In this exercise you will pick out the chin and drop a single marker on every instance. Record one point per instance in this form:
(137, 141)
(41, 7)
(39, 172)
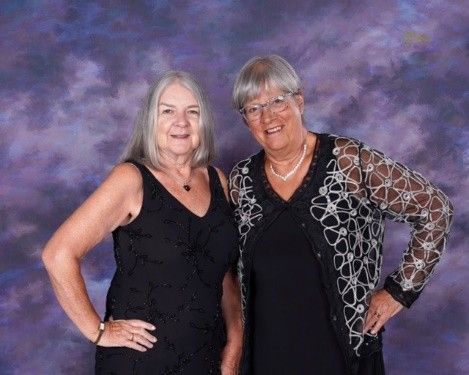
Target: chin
(274, 144)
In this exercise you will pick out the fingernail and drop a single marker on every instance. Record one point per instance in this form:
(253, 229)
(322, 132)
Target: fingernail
(153, 327)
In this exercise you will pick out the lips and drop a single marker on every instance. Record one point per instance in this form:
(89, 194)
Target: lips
(180, 136)
(273, 130)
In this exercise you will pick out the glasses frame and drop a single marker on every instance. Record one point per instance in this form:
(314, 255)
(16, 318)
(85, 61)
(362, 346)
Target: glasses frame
(268, 104)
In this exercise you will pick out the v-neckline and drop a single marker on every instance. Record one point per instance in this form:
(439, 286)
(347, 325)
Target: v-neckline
(268, 188)
(171, 195)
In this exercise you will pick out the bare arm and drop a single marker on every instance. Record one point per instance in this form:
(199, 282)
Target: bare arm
(231, 305)
(116, 202)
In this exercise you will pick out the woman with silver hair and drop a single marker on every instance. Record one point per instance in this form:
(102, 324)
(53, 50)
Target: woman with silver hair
(173, 305)
(310, 210)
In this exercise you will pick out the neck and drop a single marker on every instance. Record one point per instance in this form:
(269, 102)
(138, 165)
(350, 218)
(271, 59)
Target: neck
(182, 165)
(180, 173)
(285, 157)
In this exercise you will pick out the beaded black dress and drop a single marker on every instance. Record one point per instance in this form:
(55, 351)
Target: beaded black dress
(170, 268)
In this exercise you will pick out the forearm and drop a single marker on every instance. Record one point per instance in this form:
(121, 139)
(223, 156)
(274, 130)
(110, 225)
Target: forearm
(231, 306)
(233, 323)
(69, 287)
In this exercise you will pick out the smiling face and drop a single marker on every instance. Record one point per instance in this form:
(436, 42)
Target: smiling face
(177, 125)
(281, 132)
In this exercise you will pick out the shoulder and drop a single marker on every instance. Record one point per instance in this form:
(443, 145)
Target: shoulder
(126, 171)
(238, 174)
(343, 141)
(125, 176)
(244, 166)
(343, 146)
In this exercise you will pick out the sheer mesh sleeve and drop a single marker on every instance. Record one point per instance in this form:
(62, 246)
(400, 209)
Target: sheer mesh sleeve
(403, 195)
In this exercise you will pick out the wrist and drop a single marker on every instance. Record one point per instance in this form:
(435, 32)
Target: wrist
(91, 331)
(101, 328)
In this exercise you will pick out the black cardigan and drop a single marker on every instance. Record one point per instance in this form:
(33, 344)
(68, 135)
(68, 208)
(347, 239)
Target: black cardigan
(346, 199)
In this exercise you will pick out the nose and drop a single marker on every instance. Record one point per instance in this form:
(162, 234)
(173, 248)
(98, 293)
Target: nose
(267, 114)
(181, 119)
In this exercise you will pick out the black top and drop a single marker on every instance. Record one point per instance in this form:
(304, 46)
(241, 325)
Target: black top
(291, 332)
(170, 268)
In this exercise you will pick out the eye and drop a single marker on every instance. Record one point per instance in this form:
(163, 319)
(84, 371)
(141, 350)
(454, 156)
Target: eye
(167, 111)
(193, 112)
(252, 109)
(279, 99)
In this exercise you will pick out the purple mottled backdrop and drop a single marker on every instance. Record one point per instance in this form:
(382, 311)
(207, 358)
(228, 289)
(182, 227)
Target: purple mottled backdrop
(72, 74)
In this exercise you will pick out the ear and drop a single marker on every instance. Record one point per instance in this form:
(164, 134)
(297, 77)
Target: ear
(300, 101)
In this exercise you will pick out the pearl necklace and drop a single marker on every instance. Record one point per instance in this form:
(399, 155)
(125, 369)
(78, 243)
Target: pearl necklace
(294, 169)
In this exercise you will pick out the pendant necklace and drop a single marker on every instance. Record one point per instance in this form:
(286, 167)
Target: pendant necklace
(185, 183)
(295, 168)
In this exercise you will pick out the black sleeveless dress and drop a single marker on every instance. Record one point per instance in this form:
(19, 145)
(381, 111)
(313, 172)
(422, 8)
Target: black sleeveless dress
(170, 268)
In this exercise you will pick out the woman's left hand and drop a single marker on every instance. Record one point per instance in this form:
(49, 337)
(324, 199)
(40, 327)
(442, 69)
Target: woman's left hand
(382, 307)
(230, 358)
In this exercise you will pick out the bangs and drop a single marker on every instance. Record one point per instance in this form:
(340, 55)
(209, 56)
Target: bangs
(262, 74)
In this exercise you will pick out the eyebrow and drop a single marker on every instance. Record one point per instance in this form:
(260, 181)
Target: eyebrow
(190, 106)
(252, 102)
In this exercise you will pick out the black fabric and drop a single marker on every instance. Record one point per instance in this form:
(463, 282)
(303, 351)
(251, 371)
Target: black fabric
(252, 171)
(249, 179)
(291, 330)
(170, 268)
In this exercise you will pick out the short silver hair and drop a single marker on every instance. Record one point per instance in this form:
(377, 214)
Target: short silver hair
(262, 72)
(142, 146)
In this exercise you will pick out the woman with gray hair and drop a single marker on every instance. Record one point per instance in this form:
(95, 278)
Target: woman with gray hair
(310, 210)
(173, 303)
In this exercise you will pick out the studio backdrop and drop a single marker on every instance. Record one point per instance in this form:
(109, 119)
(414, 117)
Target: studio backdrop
(391, 73)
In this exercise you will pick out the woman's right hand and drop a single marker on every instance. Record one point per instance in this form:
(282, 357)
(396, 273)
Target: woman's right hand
(131, 333)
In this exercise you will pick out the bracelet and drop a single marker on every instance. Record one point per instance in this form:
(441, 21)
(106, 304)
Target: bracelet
(101, 331)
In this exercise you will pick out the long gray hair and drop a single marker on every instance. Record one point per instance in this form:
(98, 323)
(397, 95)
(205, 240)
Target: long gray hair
(142, 146)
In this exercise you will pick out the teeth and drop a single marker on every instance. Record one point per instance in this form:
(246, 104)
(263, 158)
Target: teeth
(273, 130)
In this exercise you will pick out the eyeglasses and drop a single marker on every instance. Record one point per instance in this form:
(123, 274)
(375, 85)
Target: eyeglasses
(252, 113)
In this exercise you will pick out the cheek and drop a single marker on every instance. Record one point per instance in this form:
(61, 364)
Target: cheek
(295, 118)
(195, 133)
(161, 140)
(195, 140)
(161, 133)
(258, 135)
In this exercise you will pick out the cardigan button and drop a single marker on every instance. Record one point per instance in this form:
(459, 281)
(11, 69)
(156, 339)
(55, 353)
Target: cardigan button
(334, 317)
(303, 225)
